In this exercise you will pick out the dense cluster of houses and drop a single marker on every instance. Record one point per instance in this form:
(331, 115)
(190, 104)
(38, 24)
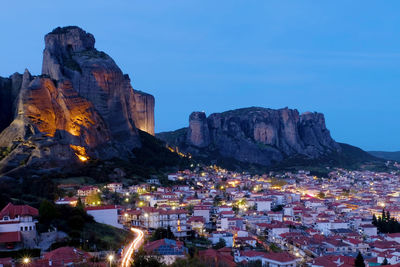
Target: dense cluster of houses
(306, 219)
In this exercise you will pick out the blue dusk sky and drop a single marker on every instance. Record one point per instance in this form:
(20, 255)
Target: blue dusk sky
(341, 58)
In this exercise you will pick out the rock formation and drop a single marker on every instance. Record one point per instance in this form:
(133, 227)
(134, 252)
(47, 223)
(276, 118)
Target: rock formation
(256, 135)
(82, 106)
(198, 134)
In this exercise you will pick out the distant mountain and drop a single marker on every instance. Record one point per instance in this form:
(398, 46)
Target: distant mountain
(265, 137)
(82, 106)
(386, 155)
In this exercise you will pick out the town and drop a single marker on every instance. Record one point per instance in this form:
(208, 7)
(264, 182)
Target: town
(223, 218)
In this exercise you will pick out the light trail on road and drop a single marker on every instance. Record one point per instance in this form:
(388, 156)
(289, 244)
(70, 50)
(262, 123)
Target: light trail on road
(135, 244)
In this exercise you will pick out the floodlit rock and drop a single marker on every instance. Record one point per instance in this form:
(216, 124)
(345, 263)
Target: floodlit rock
(81, 107)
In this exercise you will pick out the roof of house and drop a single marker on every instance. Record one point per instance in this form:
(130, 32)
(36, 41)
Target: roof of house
(18, 210)
(216, 257)
(333, 261)
(166, 247)
(66, 254)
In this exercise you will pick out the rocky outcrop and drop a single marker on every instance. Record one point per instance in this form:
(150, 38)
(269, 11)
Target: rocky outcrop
(198, 133)
(82, 106)
(9, 89)
(256, 135)
(144, 111)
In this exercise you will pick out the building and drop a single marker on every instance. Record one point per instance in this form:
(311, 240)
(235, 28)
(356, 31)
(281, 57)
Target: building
(115, 187)
(168, 249)
(87, 190)
(226, 236)
(17, 224)
(221, 257)
(105, 214)
(203, 211)
(152, 218)
(271, 259)
(64, 256)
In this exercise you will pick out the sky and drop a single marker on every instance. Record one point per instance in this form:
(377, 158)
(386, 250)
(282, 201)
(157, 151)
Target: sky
(341, 58)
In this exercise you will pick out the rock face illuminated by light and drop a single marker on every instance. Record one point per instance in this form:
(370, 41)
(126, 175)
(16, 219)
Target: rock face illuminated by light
(82, 99)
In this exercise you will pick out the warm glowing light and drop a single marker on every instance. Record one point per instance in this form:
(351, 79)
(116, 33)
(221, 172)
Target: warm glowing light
(146, 215)
(110, 258)
(26, 260)
(80, 152)
(135, 244)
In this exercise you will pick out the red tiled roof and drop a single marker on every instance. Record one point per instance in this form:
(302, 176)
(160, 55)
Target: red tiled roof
(279, 256)
(106, 207)
(18, 210)
(66, 255)
(6, 262)
(10, 237)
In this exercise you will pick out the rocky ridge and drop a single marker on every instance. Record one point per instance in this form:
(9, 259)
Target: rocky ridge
(81, 106)
(256, 135)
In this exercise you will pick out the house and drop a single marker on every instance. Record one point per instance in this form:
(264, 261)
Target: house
(87, 190)
(271, 259)
(153, 218)
(168, 249)
(72, 201)
(64, 256)
(105, 214)
(17, 224)
(115, 187)
(217, 235)
(197, 224)
(220, 257)
(245, 241)
(393, 237)
(230, 223)
(368, 230)
(263, 204)
(203, 211)
(333, 260)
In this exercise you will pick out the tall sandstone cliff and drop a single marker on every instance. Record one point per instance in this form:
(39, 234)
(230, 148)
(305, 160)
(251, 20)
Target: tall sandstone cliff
(256, 135)
(82, 106)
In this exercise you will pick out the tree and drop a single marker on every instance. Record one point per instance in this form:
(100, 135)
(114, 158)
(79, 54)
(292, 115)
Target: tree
(385, 262)
(374, 220)
(359, 261)
(191, 262)
(161, 233)
(275, 248)
(221, 244)
(47, 212)
(143, 260)
(321, 194)
(80, 205)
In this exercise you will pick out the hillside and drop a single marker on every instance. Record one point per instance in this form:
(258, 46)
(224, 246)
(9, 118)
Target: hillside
(386, 155)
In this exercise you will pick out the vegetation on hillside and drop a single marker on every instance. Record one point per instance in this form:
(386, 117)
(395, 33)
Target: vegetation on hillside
(82, 230)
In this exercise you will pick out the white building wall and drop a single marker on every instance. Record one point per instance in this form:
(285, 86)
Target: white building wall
(106, 216)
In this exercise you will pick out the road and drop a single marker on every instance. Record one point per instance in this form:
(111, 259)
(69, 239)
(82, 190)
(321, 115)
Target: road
(135, 244)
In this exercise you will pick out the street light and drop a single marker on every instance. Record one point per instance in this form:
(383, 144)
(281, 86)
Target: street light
(110, 259)
(26, 260)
